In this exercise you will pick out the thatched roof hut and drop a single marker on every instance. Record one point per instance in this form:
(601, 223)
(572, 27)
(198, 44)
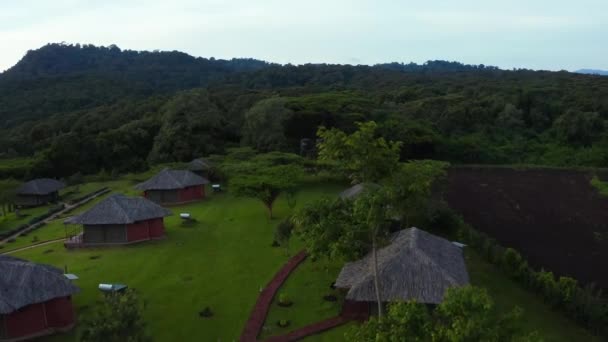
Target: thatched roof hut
(41, 186)
(38, 191)
(358, 189)
(120, 209)
(35, 299)
(119, 219)
(174, 186)
(416, 265)
(24, 283)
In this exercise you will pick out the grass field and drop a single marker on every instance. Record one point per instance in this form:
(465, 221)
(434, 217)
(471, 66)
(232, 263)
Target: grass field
(220, 262)
(224, 259)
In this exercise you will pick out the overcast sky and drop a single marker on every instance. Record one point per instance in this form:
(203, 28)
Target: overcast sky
(536, 34)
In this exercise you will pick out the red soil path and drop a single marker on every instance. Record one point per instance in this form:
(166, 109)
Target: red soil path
(311, 329)
(262, 306)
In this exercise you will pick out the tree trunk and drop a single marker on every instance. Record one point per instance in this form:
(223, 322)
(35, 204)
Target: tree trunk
(269, 207)
(376, 280)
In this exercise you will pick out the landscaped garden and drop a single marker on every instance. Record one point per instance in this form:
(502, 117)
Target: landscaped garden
(225, 258)
(202, 281)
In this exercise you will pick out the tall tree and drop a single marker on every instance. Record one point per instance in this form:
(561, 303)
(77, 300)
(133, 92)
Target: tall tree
(264, 177)
(264, 125)
(347, 229)
(361, 156)
(410, 188)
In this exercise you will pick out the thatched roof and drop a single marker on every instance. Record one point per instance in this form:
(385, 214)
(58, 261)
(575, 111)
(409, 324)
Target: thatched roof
(41, 186)
(416, 265)
(358, 189)
(120, 209)
(23, 283)
(172, 179)
(199, 164)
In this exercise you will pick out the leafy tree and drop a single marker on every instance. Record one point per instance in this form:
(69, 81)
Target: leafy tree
(264, 125)
(326, 227)
(117, 319)
(578, 127)
(361, 156)
(191, 125)
(282, 233)
(410, 189)
(263, 181)
(347, 229)
(466, 314)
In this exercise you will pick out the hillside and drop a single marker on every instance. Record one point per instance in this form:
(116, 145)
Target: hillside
(84, 108)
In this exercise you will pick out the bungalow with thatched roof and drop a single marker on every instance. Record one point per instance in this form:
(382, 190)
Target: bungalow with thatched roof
(200, 166)
(38, 192)
(358, 189)
(416, 265)
(35, 300)
(119, 220)
(174, 186)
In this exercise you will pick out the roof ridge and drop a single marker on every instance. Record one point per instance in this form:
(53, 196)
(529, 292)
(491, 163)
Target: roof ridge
(425, 255)
(121, 207)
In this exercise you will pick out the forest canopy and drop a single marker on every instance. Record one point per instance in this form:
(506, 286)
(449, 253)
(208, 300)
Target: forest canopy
(70, 108)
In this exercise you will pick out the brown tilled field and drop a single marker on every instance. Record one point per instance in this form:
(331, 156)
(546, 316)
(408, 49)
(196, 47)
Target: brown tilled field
(554, 217)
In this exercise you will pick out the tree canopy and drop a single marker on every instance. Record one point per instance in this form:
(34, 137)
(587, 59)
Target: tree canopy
(466, 314)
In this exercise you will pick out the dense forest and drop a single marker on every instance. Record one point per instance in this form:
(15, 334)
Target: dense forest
(85, 108)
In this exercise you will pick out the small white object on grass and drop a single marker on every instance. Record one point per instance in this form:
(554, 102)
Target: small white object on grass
(184, 215)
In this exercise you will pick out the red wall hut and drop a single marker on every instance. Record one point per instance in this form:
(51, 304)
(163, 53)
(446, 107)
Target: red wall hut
(35, 300)
(119, 220)
(174, 186)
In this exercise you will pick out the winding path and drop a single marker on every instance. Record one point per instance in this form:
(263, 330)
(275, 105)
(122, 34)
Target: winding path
(262, 306)
(32, 227)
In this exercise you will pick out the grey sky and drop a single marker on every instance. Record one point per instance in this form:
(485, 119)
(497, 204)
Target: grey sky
(537, 34)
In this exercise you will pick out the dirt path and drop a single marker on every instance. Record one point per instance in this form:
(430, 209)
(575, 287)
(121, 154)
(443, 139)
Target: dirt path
(260, 310)
(309, 330)
(66, 209)
(34, 246)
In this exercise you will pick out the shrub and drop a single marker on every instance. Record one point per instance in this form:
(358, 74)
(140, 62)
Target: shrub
(284, 300)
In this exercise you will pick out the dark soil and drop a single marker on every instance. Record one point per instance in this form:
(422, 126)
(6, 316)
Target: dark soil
(552, 216)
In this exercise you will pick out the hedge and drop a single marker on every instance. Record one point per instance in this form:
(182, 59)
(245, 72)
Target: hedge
(585, 305)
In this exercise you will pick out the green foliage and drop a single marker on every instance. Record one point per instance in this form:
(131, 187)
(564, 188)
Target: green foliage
(263, 177)
(329, 229)
(118, 318)
(577, 127)
(585, 305)
(361, 156)
(466, 314)
(410, 188)
(282, 233)
(264, 125)
(191, 126)
(600, 186)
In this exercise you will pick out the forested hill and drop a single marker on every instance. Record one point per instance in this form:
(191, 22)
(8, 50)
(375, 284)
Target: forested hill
(86, 108)
(60, 78)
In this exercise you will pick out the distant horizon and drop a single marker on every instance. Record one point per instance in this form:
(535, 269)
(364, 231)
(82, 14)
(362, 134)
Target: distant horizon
(539, 35)
(304, 63)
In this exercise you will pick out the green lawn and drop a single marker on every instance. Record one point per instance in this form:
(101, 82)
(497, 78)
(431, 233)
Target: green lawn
(303, 288)
(12, 221)
(224, 259)
(220, 262)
